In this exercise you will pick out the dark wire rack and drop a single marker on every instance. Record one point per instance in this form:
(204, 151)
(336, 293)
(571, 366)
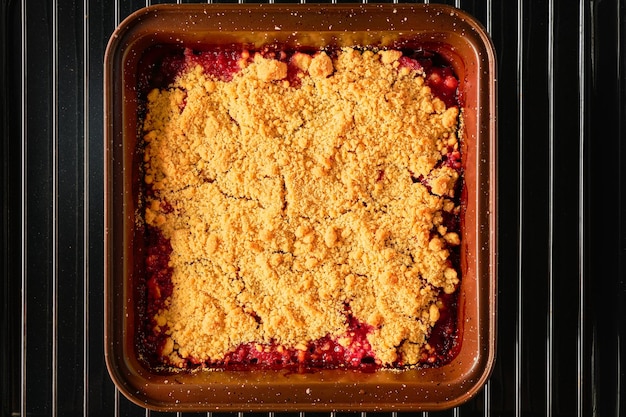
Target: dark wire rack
(562, 209)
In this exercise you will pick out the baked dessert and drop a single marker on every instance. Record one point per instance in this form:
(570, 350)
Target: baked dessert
(301, 209)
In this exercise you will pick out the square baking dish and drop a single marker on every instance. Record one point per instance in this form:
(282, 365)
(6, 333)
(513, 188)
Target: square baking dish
(445, 30)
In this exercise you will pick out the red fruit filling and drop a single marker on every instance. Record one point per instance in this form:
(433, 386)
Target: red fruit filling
(224, 64)
(326, 352)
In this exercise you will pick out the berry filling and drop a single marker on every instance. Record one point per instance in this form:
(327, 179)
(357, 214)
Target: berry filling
(350, 350)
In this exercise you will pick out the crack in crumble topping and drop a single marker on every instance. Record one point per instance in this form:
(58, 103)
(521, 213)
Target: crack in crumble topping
(284, 205)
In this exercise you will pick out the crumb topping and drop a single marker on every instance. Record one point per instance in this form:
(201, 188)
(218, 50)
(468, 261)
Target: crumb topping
(284, 205)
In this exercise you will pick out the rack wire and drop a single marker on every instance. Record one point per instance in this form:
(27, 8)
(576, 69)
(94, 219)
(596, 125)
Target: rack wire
(562, 209)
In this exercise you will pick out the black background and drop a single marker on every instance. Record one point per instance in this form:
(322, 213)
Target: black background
(561, 208)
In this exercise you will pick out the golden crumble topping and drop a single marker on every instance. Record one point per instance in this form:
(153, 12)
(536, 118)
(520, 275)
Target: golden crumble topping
(285, 205)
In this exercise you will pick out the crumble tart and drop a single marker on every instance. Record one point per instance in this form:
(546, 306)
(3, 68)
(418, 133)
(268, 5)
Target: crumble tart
(302, 208)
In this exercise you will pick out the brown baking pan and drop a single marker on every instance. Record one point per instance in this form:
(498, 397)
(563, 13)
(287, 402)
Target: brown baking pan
(448, 31)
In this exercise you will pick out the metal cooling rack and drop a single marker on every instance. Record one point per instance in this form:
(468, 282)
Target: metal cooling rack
(562, 210)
